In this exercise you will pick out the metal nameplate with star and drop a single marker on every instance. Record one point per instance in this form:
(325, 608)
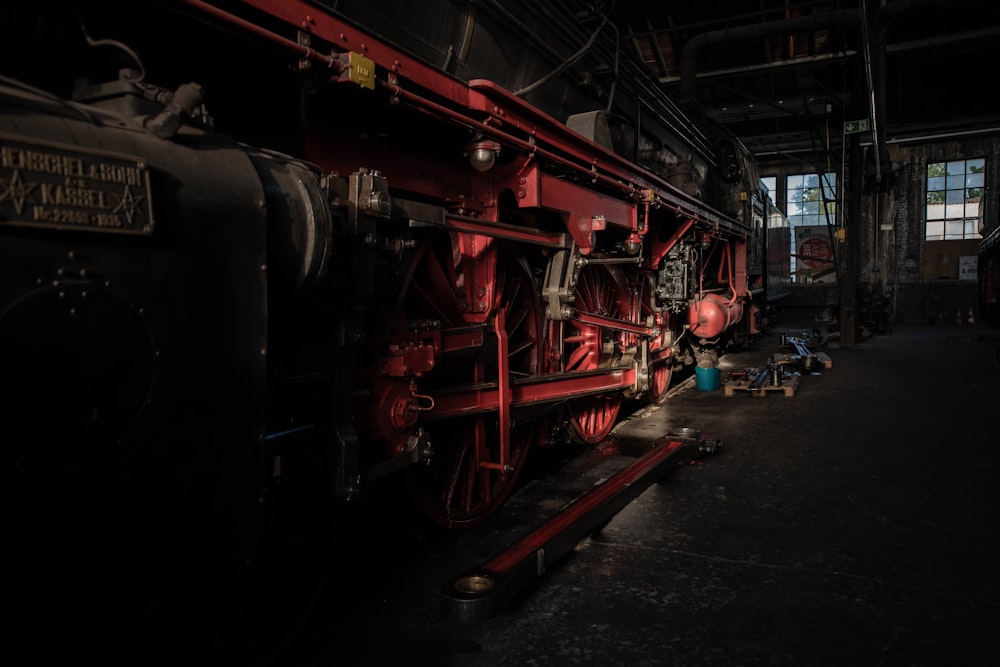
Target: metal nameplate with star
(52, 185)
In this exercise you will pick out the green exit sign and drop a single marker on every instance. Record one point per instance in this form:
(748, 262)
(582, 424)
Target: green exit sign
(855, 126)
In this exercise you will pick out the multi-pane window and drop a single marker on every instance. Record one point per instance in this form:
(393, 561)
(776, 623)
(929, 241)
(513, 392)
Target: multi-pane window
(770, 183)
(810, 202)
(954, 190)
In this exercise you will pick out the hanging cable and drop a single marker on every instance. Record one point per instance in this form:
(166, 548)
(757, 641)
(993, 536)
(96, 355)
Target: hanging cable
(521, 92)
(866, 44)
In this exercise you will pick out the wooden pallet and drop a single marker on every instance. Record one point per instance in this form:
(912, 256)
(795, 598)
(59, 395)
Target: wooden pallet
(785, 358)
(788, 386)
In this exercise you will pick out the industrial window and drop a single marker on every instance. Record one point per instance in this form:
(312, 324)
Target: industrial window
(954, 190)
(770, 183)
(811, 208)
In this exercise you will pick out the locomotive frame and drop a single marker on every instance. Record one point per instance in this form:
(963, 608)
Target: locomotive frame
(542, 211)
(430, 278)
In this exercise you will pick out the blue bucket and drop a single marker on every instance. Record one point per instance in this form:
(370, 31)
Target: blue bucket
(707, 379)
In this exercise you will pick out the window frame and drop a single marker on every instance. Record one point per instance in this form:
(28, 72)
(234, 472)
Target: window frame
(806, 210)
(953, 193)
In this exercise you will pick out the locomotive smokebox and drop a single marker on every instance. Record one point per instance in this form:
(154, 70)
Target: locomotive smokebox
(133, 320)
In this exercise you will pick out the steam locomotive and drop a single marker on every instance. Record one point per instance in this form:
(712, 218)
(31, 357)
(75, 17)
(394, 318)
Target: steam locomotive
(261, 256)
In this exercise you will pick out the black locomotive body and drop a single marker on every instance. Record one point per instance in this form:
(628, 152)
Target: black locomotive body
(256, 256)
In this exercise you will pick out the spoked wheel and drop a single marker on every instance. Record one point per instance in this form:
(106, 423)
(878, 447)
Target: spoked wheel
(455, 491)
(660, 371)
(661, 365)
(659, 381)
(589, 347)
(593, 417)
(472, 470)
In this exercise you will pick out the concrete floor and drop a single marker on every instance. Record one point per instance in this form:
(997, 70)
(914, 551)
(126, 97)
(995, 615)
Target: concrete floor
(854, 523)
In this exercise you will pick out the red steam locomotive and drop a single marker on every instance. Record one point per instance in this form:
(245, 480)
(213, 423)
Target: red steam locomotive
(262, 253)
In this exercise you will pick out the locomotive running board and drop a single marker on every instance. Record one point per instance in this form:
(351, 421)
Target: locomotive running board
(480, 594)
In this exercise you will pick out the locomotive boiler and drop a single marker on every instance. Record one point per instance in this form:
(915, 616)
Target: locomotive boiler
(267, 255)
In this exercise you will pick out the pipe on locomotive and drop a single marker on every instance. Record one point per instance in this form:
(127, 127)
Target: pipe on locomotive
(631, 179)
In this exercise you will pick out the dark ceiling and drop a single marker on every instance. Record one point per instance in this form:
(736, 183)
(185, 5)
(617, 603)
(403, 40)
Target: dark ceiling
(785, 76)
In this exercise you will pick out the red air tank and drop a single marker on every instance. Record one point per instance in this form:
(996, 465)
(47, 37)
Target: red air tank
(711, 314)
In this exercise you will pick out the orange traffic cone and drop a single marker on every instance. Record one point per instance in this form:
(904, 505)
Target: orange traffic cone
(972, 318)
(958, 317)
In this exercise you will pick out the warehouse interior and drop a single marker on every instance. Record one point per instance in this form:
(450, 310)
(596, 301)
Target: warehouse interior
(794, 80)
(187, 444)
(869, 92)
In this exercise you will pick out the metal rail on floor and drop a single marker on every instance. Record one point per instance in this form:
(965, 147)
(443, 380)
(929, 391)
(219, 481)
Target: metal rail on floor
(480, 594)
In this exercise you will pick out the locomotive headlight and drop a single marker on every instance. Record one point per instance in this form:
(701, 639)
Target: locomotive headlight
(483, 154)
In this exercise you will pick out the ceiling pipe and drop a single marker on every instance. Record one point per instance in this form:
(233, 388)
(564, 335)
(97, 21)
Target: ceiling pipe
(728, 36)
(876, 49)
(897, 8)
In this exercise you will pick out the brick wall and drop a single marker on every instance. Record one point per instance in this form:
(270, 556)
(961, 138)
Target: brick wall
(892, 248)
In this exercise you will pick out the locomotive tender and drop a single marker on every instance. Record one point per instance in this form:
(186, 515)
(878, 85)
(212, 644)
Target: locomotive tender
(260, 254)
